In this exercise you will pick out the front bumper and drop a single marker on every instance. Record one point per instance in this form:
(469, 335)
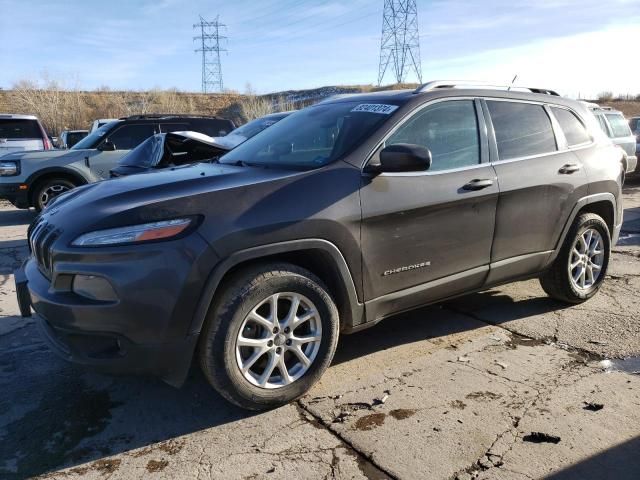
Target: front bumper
(632, 164)
(145, 331)
(16, 193)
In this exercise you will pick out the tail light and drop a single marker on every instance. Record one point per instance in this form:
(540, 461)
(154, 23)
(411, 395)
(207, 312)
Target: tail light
(46, 143)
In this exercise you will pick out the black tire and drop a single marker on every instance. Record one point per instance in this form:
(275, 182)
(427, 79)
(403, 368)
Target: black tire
(240, 294)
(556, 281)
(39, 197)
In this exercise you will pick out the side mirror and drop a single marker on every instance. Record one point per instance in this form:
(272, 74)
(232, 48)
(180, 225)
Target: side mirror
(403, 157)
(107, 146)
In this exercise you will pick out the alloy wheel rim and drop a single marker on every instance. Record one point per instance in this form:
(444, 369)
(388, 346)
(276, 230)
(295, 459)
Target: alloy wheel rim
(586, 259)
(278, 340)
(51, 192)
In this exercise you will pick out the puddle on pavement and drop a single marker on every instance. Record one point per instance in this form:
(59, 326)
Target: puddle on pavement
(156, 465)
(72, 412)
(402, 413)
(628, 365)
(368, 469)
(369, 422)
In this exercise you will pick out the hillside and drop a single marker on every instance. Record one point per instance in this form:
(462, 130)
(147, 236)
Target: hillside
(59, 109)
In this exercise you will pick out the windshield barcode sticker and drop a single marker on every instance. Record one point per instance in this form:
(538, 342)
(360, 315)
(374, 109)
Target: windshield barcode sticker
(375, 108)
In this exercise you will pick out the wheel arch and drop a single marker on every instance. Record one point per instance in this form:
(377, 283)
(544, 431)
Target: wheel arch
(602, 204)
(53, 172)
(320, 257)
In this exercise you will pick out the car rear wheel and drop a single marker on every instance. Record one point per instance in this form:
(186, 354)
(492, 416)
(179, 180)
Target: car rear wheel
(47, 190)
(270, 334)
(580, 268)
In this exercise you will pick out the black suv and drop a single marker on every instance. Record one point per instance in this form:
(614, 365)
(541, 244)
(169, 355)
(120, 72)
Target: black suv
(32, 179)
(338, 216)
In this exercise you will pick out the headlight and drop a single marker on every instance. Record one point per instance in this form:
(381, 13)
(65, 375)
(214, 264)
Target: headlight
(8, 169)
(145, 232)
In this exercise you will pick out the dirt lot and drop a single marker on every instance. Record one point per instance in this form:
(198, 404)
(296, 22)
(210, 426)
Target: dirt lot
(504, 384)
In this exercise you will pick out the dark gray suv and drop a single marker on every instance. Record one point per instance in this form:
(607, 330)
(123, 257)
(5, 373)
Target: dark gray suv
(340, 215)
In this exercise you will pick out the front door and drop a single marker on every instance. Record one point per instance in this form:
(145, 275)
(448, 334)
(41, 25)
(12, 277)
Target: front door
(427, 235)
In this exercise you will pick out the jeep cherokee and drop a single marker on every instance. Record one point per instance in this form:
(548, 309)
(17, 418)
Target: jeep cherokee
(336, 217)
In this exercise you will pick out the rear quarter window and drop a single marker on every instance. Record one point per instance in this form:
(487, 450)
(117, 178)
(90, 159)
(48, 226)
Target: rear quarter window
(17, 129)
(574, 130)
(619, 126)
(522, 129)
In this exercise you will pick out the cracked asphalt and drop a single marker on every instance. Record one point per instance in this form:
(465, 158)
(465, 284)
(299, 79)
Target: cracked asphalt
(503, 384)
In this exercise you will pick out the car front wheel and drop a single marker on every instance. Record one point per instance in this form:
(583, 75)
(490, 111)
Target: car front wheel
(270, 334)
(47, 190)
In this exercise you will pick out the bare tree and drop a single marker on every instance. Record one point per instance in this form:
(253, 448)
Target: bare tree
(253, 106)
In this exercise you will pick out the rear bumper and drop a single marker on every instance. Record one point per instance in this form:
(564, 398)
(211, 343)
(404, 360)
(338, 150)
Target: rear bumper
(16, 195)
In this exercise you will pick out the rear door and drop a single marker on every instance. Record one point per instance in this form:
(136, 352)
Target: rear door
(19, 134)
(426, 235)
(125, 138)
(540, 178)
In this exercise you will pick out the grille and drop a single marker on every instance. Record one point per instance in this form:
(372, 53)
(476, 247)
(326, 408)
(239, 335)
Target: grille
(41, 237)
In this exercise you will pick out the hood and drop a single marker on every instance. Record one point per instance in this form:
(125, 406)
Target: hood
(163, 194)
(44, 155)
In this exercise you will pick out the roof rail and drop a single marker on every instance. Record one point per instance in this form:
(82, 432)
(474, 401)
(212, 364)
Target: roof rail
(164, 115)
(438, 84)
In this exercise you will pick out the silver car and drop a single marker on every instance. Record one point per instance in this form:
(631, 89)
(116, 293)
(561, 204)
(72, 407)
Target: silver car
(19, 133)
(68, 138)
(617, 128)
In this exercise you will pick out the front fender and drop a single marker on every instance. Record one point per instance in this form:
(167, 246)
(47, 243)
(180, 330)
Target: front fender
(355, 309)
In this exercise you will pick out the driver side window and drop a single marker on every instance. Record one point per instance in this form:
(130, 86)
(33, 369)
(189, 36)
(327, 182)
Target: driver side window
(448, 129)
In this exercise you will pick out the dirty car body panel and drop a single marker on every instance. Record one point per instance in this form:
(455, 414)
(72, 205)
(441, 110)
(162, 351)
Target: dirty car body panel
(387, 242)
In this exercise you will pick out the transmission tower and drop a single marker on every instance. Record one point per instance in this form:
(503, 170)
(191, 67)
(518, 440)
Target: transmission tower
(400, 43)
(210, 47)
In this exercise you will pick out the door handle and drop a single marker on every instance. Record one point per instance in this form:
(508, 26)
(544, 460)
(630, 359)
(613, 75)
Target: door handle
(478, 184)
(569, 168)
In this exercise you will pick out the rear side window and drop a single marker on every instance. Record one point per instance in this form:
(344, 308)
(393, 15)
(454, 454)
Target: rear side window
(16, 129)
(619, 126)
(448, 129)
(130, 136)
(573, 129)
(213, 128)
(603, 124)
(175, 127)
(522, 129)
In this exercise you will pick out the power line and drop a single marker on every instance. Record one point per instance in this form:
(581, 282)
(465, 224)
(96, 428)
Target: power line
(400, 41)
(210, 47)
(303, 32)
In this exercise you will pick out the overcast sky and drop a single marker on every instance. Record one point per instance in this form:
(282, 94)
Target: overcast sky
(575, 46)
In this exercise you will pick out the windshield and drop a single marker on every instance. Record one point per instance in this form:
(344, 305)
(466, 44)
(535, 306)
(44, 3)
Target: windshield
(146, 155)
(91, 140)
(312, 137)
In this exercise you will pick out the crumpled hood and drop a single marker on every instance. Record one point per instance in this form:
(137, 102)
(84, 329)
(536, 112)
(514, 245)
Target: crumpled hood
(230, 141)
